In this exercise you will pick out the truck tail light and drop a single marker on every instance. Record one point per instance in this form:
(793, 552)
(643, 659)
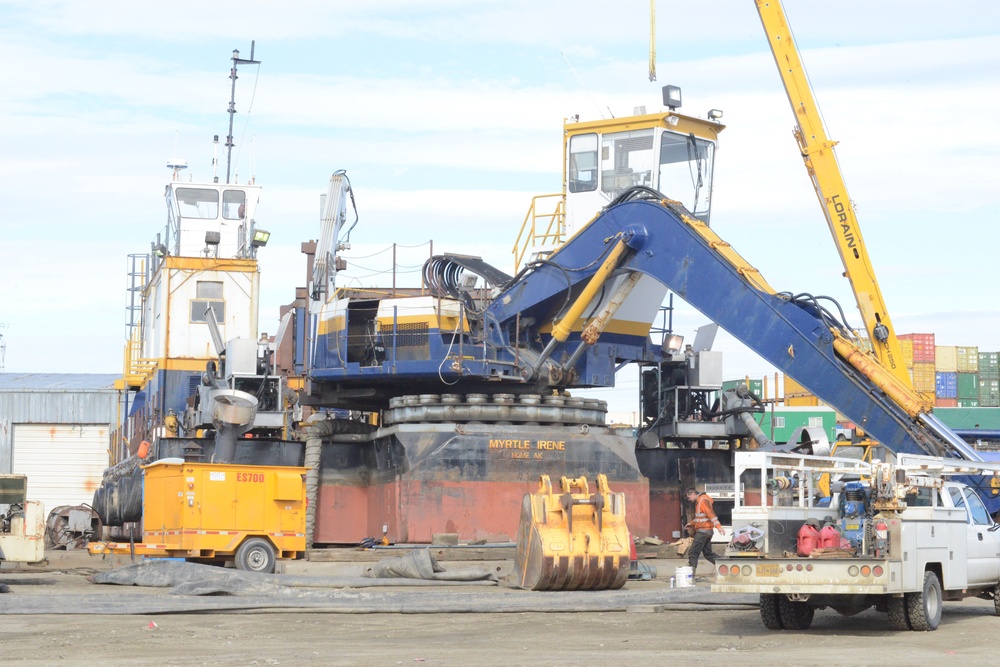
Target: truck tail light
(723, 570)
(878, 571)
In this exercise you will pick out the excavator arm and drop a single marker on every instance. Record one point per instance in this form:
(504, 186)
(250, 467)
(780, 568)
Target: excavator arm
(648, 234)
(821, 163)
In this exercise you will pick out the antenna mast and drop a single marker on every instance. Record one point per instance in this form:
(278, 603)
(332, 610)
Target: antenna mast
(232, 102)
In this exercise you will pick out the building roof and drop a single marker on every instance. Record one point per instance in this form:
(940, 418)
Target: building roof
(13, 382)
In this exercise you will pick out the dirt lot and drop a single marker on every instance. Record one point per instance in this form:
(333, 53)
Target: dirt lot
(703, 634)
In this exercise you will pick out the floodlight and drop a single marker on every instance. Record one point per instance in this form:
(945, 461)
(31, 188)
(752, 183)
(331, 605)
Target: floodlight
(672, 97)
(160, 250)
(714, 114)
(260, 238)
(212, 238)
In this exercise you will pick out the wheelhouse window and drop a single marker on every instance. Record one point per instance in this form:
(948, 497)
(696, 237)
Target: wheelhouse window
(208, 295)
(233, 204)
(626, 161)
(583, 163)
(198, 203)
(686, 171)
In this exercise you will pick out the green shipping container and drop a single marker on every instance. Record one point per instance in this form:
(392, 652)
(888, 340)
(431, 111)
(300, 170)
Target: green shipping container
(989, 393)
(788, 419)
(989, 365)
(968, 402)
(756, 386)
(968, 385)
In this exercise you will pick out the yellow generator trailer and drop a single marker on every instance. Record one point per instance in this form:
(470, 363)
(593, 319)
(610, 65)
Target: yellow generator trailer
(214, 512)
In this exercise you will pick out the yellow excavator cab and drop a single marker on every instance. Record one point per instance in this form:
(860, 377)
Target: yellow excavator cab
(572, 539)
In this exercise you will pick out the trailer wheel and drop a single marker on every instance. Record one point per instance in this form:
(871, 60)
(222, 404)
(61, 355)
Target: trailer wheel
(256, 555)
(769, 611)
(897, 613)
(795, 615)
(924, 608)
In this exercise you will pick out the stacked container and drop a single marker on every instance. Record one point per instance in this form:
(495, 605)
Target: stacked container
(989, 393)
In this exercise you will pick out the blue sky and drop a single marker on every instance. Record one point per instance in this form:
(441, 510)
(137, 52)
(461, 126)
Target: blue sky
(447, 117)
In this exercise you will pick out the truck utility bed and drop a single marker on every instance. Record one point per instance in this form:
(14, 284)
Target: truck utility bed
(901, 537)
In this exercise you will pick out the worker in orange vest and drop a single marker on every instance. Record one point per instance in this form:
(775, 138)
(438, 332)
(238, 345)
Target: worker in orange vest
(703, 523)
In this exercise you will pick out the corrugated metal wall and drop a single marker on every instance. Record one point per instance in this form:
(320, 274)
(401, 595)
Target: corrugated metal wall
(47, 406)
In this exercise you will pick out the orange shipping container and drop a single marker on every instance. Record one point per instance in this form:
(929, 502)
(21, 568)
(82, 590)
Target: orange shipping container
(923, 346)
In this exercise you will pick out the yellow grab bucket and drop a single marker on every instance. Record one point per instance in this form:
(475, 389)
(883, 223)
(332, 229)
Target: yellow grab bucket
(572, 540)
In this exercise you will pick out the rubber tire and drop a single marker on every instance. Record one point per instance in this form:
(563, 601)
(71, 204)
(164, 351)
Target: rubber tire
(795, 615)
(996, 599)
(898, 619)
(256, 555)
(769, 612)
(924, 608)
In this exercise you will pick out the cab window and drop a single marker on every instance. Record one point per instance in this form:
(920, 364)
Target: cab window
(977, 511)
(583, 163)
(198, 203)
(233, 204)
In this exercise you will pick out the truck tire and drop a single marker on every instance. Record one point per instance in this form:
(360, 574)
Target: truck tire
(924, 608)
(996, 599)
(256, 555)
(897, 614)
(795, 615)
(769, 611)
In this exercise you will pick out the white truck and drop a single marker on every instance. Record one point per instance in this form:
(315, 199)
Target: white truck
(815, 532)
(22, 522)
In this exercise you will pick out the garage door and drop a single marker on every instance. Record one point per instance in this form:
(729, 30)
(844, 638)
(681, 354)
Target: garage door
(64, 462)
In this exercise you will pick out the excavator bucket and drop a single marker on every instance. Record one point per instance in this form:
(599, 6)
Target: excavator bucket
(572, 540)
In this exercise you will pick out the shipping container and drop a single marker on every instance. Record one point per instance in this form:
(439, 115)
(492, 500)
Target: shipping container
(756, 386)
(989, 365)
(907, 346)
(923, 346)
(946, 385)
(946, 402)
(968, 385)
(946, 358)
(989, 393)
(924, 376)
(968, 359)
(785, 421)
(968, 403)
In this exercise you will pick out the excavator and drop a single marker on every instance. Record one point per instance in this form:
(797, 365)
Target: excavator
(470, 373)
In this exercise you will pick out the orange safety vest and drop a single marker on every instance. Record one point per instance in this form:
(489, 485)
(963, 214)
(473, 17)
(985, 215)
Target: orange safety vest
(704, 514)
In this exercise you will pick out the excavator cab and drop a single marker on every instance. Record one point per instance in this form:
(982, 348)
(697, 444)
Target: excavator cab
(666, 151)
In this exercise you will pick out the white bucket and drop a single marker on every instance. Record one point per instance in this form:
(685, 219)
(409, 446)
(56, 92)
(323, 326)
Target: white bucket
(684, 576)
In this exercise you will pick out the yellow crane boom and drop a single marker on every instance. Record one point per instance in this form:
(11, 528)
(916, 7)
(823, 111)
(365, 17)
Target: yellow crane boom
(821, 163)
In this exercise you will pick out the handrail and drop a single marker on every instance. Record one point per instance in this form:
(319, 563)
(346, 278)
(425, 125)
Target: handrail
(529, 236)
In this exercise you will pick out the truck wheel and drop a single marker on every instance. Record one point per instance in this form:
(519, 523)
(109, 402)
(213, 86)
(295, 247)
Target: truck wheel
(924, 608)
(256, 555)
(769, 611)
(996, 599)
(897, 613)
(795, 615)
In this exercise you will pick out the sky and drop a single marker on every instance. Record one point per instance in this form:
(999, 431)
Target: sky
(447, 117)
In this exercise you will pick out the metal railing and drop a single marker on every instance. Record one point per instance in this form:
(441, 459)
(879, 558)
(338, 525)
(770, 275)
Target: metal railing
(531, 234)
